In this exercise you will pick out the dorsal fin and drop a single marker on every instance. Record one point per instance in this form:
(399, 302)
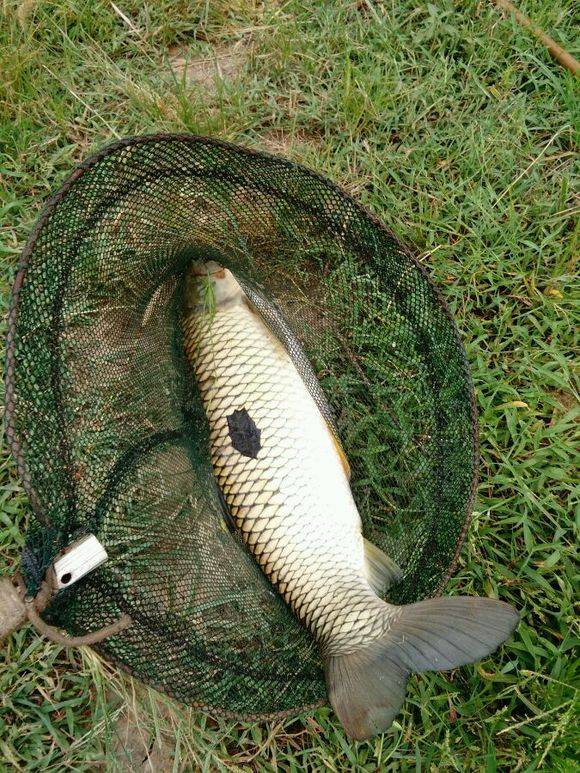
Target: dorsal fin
(340, 451)
(285, 353)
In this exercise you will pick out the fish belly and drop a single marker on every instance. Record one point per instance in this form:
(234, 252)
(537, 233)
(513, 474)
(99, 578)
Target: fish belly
(286, 488)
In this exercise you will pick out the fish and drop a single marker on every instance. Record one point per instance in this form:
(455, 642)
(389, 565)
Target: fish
(285, 479)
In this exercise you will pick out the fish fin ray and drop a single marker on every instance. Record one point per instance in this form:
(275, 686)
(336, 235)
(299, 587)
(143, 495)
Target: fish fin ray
(367, 687)
(339, 450)
(381, 570)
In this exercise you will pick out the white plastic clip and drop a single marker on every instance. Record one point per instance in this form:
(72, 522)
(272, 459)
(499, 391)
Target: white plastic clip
(81, 557)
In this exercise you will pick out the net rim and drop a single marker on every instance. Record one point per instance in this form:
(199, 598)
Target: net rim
(52, 203)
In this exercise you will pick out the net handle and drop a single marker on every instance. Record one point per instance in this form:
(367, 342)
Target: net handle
(16, 609)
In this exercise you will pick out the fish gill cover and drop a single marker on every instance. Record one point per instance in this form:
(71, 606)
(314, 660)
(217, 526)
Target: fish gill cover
(110, 436)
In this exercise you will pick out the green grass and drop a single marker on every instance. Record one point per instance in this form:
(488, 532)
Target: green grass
(457, 129)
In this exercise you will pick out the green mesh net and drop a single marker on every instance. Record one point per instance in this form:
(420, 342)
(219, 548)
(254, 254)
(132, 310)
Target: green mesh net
(110, 436)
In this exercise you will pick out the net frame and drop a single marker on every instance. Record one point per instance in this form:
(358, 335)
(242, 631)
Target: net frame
(51, 205)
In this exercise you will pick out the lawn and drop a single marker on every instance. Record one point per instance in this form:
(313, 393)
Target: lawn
(458, 130)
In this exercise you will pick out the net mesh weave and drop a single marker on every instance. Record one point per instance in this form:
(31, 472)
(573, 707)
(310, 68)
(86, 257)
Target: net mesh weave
(110, 436)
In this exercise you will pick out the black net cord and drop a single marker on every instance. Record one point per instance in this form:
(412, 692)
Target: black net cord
(185, 168)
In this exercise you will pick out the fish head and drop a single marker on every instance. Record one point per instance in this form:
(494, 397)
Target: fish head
(209, 284)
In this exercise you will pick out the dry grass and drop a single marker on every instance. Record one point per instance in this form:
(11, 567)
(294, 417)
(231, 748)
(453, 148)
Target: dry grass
(222, 64)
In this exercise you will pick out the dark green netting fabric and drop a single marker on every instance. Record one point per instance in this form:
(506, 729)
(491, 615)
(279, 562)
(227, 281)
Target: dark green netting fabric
(110, 436)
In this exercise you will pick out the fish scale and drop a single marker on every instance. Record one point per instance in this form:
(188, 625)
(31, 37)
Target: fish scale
(277, 501)
(285, 480)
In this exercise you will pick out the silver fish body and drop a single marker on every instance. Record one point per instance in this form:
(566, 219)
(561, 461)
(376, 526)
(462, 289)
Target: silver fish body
(285, 479)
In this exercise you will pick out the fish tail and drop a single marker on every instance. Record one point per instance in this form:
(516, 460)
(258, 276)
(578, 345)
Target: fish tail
(367, 687)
